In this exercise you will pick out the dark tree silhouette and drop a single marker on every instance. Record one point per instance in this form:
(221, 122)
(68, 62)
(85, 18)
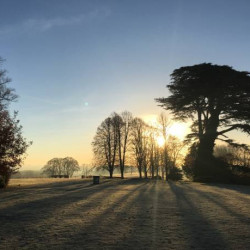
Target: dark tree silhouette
(7, 94)
(110, 144)
(105, 145)
(123, 124)
(216, 98)
(61, 167)
(12, 144)
(138, 142)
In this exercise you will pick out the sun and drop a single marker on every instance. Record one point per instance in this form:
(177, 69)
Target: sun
(179, 130)
(160, 141)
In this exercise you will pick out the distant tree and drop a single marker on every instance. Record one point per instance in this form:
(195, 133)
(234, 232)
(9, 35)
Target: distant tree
(217, 99)
(70, 165)
(61, 166)
(12, 143)
(234, 156)
(87, 169)
(53, 167)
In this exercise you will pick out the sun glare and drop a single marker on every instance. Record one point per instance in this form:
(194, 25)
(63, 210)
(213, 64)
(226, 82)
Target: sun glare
(160, 141)
(179, 130)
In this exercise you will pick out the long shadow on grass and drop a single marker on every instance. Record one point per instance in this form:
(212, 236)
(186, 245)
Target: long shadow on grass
(107, 228)
(243, 189)
(139, 221)
(38, 192)
(218, 201)
(202, 234)
(37, 206)
(150, 227)
(37, 215)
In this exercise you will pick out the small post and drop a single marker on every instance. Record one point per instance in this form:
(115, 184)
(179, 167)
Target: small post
(96, 179)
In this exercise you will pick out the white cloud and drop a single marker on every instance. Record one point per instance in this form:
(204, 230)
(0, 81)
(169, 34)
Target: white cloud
(42, 25)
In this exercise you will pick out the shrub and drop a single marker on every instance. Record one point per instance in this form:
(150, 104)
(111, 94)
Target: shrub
(175, 174)
(2, 182)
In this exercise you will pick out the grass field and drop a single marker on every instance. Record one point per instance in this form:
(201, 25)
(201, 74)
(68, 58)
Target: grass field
(36, 181)
(124, 214)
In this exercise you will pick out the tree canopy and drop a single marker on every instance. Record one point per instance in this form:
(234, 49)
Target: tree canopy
(216, 98)
(121, 140)
(12, 143)
(61, 166)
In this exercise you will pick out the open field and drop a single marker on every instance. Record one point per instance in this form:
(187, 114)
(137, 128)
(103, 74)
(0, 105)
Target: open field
(125, 214)
(20, 182)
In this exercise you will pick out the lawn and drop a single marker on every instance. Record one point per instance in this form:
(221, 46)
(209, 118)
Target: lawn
(124, 214)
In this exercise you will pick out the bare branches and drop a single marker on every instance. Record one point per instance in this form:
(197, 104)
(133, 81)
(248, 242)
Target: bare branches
(61, 166)
(7, 94)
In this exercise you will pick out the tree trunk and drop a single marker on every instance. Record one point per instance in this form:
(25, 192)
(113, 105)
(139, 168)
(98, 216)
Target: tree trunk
(166, 173)
(152, 170)
(205, 159)
(122, 172)
(140, 174)
(110, 172)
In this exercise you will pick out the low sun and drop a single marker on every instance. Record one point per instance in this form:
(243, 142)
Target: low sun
(160, 141)
(179, 130)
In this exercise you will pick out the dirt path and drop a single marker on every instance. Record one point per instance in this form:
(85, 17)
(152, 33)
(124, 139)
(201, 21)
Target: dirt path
(125, 214)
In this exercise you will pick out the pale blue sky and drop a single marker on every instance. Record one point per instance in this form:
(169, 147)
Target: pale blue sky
(116, 55)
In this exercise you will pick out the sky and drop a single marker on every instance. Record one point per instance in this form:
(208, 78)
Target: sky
(75, 62)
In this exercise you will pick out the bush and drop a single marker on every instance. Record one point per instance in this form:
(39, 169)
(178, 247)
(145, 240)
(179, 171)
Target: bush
(188, 171)
(2, 182)
(175, 174)
(212, 170)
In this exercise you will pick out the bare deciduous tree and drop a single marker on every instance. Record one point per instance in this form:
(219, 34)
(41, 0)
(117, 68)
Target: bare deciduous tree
(105, 145)
(164, 124)
(123, 125)
(61, 166)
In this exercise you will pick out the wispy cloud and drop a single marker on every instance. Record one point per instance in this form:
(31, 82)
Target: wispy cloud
(42, 25)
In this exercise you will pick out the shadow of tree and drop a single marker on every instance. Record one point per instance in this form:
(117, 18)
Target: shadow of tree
(125, 214)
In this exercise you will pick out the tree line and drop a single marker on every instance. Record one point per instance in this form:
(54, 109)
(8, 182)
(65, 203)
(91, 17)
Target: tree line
(215, 98)
(123, 140)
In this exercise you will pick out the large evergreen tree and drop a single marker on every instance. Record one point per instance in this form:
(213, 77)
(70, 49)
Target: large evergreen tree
(216, 98)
